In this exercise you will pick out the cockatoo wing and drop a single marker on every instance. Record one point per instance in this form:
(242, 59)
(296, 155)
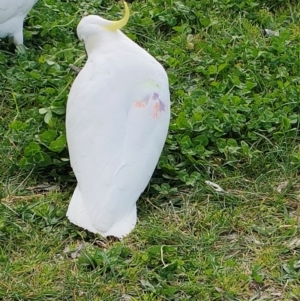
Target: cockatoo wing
(118, 114)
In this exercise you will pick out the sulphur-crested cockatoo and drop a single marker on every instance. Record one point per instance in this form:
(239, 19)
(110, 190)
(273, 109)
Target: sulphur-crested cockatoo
(12, 15)
(118, 114)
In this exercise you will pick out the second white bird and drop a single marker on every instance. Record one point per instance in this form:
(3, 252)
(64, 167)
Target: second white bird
(12, 15)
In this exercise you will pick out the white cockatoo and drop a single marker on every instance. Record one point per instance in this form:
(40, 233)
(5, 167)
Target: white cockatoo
(12, 15)
(118, 114)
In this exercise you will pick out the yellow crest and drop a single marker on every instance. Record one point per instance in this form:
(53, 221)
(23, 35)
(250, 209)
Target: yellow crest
(115, 25)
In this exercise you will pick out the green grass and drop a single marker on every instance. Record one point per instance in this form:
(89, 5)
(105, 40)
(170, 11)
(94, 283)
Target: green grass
(235, 122)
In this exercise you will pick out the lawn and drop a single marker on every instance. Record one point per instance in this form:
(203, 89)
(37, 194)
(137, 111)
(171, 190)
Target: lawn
(235, 95)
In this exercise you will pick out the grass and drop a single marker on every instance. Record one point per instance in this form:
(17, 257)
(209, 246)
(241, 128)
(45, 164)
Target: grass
(235, 118)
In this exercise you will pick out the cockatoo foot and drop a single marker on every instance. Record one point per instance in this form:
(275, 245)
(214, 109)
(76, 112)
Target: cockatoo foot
(21, 49)
(75, 68)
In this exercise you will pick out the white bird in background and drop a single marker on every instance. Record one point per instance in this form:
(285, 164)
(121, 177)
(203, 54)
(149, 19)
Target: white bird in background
(118, 115)
(12, 15)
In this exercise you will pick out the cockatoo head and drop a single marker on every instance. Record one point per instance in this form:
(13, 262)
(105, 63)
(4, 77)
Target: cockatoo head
(93, 25)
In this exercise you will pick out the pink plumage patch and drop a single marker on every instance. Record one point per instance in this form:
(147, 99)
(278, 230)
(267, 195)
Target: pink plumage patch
(158, 104)
(143, 103)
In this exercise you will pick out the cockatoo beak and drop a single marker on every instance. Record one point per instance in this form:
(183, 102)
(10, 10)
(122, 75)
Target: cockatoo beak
(115, 25)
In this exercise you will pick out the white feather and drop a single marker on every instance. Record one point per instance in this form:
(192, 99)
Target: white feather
(12, 15)
(117, 120)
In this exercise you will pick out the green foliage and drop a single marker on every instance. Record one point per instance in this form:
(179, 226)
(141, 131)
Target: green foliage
(231, 86)
(235, 120)
(109, 261)
(202, 250)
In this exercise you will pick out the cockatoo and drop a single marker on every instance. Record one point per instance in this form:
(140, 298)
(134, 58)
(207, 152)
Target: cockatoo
(12, 15)
(117, 119)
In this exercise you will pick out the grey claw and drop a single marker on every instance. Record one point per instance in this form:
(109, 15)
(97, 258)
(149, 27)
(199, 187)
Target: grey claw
(21, 48)
(75, 68)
